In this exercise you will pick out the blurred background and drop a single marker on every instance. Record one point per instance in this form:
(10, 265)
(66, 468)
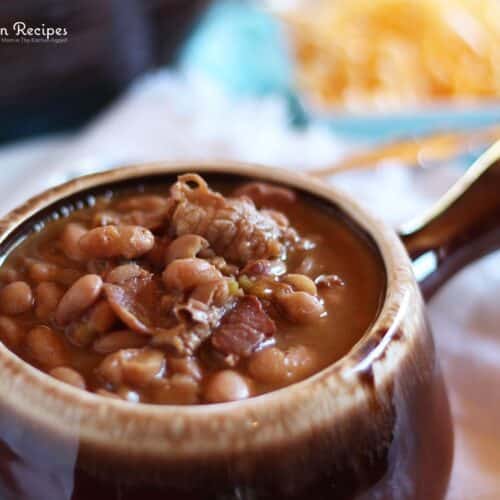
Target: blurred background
(387, 99)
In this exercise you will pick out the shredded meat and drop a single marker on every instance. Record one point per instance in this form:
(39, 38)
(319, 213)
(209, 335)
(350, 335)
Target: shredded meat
(198, 312)
(235, 229)
(182, 339)
(264, 267)
(244, 328)
(196, 323)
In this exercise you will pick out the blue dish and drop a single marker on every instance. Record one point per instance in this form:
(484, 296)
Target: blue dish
(243, 48)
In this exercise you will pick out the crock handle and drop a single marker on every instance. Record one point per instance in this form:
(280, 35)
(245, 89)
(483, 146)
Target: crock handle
(463, 226)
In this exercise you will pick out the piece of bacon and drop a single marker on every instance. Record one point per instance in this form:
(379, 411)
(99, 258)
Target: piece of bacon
(244, 328)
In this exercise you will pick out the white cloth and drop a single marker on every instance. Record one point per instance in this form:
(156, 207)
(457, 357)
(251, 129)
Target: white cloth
(167, 116)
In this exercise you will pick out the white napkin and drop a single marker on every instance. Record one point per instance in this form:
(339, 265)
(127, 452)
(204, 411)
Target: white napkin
(170, 116)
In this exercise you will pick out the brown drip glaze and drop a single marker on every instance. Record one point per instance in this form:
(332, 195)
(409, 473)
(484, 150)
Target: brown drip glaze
(376, 424)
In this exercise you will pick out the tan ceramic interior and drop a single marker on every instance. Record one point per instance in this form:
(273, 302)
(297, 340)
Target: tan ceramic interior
(156, 433)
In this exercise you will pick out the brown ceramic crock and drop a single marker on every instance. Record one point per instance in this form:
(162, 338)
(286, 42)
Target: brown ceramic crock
(375, 424)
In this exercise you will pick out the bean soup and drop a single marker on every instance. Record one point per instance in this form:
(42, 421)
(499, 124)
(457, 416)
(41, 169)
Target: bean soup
(187, 294)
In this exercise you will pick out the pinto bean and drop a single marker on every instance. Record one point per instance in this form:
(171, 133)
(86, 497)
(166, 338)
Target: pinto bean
(146, 202)
(223, 266)
(69, 376)
(187, 384)
(67, 276)
(110, 368)
(69, 239)
(8, 275)
(186, 274)
(302, 362)
(121, 339)
(144, 367)
(225, 386)
(212, 292)
(269, 366)
(263, 193)
(187, 365)
(137, 367)
(80, 334)
(101, 317)
(16, 298)
(82, 294)
(264, 267)
(44, 271)
(47, 297)
(185, 246)
(125, 272)
(301, 283)
(11, 334)
(45, 347)
(274, 366)
(178, 389)
(117, 241)
(301, 307)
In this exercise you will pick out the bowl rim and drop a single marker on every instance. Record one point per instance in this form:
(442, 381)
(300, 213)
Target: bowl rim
(175, 422)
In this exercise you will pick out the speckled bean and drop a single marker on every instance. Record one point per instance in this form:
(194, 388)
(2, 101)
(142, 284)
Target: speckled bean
(82, 294)
(45, 347)
(117, 241)
(225, 386)
(69, 376)
(16, 298)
